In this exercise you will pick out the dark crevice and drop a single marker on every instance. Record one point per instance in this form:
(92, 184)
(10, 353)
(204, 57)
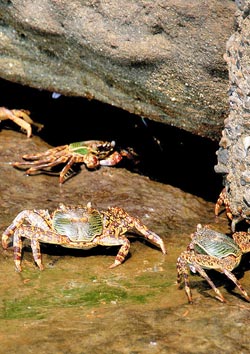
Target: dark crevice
(166, 154)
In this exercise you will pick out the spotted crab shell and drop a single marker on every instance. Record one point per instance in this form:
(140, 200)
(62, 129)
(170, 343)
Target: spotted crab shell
(213, 243)
(78, 223)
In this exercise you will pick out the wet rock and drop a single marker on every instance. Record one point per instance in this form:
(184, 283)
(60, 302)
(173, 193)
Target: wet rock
(158, 60)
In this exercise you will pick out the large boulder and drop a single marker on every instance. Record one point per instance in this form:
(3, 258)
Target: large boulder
(161, 60)
(233, 154)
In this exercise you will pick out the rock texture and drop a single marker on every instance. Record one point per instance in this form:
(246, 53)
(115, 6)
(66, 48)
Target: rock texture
(161, 60)
(234, 153)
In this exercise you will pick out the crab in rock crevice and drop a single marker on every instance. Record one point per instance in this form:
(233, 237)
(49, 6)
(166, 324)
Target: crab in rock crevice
(92, 153)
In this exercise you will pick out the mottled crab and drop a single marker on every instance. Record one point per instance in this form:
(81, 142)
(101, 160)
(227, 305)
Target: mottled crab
(92, 153)
(81, 227)
(210, 249)
(20, 117)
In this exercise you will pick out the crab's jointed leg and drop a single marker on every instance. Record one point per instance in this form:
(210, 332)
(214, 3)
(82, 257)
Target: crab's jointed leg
(121, 222)
(22, 113)
(109, 240)
(36, 234)
(232, 277)
(39, 218)
(223, 200)
(90, 160)
(21, 118)
(148, 234)
(40, 160)
(18, 245)
(182, 270)
(45, 164)
(55, 151)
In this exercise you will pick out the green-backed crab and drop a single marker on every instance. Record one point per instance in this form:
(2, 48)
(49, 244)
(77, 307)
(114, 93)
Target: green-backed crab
(210, 249)
(92, 153)
(20, 117)
(81, 227)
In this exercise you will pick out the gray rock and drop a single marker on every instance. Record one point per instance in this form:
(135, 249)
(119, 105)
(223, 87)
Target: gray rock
(161, 60)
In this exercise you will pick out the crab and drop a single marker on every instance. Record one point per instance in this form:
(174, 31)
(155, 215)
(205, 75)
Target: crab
(235, 219)
(92, 153)
(21, 117)
(81, 227)
(210, 249)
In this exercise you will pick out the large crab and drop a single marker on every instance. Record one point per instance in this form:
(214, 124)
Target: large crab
(92, 153)
(81, 227)
(20, 117)
(210, 249)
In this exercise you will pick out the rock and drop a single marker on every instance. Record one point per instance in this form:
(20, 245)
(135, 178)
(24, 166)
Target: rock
(161, 60)
(233, 154)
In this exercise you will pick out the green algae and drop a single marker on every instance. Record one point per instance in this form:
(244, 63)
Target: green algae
(20, 308)
(93, 297)
(88, 296)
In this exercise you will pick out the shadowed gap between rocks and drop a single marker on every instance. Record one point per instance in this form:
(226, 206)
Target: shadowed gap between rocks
(166, 154)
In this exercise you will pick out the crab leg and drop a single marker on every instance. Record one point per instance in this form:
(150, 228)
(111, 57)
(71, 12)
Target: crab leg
(149, 235)
(59, 150)
(232, 277)
(13, 115)
(185, 258)
(182, 271)
(25, 115)
(35, 246)
(21, 118)
(112, 240)
(122, 253)
(105, 240)
(66, 169)
(18, 245)
(122, 222)
(41, 220)
(229, 274)
(36, 235)
(37, 165)
(202, 272)
(223, 200)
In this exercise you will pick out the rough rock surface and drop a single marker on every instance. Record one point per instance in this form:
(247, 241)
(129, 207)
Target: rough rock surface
(234, 153)
(161, 60)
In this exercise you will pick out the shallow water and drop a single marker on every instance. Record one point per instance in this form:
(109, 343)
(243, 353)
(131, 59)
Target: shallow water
(79, 305)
